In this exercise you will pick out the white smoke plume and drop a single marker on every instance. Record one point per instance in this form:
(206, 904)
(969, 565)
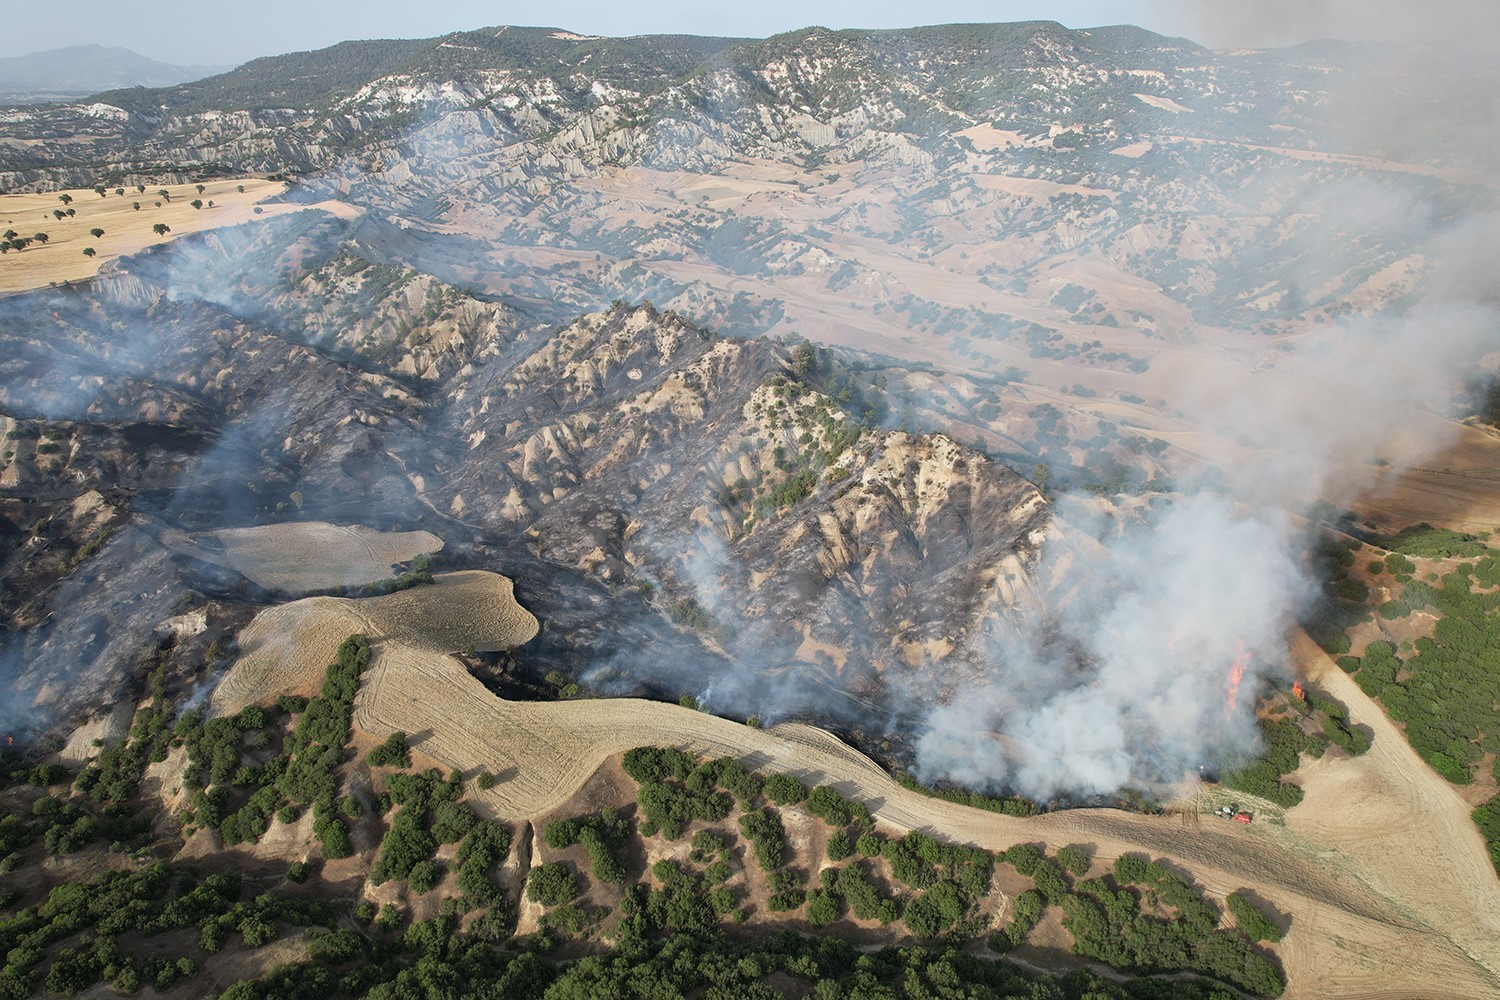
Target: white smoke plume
(1133, 681)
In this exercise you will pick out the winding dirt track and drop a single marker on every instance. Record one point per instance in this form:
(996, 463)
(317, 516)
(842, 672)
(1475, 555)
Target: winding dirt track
(1386, 882)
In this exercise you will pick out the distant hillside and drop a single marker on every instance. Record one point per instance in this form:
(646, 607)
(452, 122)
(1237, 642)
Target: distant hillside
(86, 69)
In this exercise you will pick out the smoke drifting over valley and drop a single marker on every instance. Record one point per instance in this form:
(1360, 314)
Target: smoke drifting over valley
(1149, 247)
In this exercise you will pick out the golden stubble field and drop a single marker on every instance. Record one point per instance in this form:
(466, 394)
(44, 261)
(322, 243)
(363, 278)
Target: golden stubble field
(127, 230)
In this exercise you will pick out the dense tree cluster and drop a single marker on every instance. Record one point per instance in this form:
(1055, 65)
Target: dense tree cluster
(429, 814)
(833, 809)
(551, 883)
(1251, 919)
(240, 796)
(671, 937)
(1284, 744)
(1109, 922)
(854, 886)
(115, 777)
(1446, 695)
(394, 752)
(487, 845)
(784, 790)
(675, 790)
(602, 834)
(150, 901)
(764, 830)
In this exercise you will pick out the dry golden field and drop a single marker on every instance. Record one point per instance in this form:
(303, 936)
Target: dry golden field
(127, 229)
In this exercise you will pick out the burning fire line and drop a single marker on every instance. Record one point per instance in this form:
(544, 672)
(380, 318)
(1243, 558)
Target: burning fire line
(1236, 674)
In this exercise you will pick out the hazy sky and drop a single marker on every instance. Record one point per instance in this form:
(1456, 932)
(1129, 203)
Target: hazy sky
(226, 34)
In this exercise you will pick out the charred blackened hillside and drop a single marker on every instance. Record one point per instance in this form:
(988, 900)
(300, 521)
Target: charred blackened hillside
(733, 505)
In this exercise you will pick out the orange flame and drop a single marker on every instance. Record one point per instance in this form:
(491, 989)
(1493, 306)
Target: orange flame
(1297, 690)
(1236, 674)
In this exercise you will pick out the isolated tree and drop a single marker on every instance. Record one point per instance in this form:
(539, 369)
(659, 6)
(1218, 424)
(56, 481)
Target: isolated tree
(140, 189)
(210, 203)
(72, 212)
(240, 188)
(135, 205)
(201, 189)
(120, 192)
(196, 203)
(99, 189)
(161, 229)
(96, 233)
(164, 194)
(65, 198)
(59, 214)
(40, 237)
(88, 251)
(158, 204)
(1040, 477)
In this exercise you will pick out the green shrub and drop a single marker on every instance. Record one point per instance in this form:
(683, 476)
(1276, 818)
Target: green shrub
(823, 908)
(406, 843)
(424, 876)
(1023, 857)
(853, 885)
(551, 884)
(336, 948)
(394, 752)
(764, 830)
(485, 847)
(833, 809)
(784, 790)
(1249, 918)
(1074, 860)
(839, 847)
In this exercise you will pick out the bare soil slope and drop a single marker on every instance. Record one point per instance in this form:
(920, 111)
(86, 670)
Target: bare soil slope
(315, 555)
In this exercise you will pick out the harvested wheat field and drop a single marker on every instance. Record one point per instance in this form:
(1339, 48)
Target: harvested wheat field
(127, 229)
(288, 647)
(314, 555)
(1457, 487)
